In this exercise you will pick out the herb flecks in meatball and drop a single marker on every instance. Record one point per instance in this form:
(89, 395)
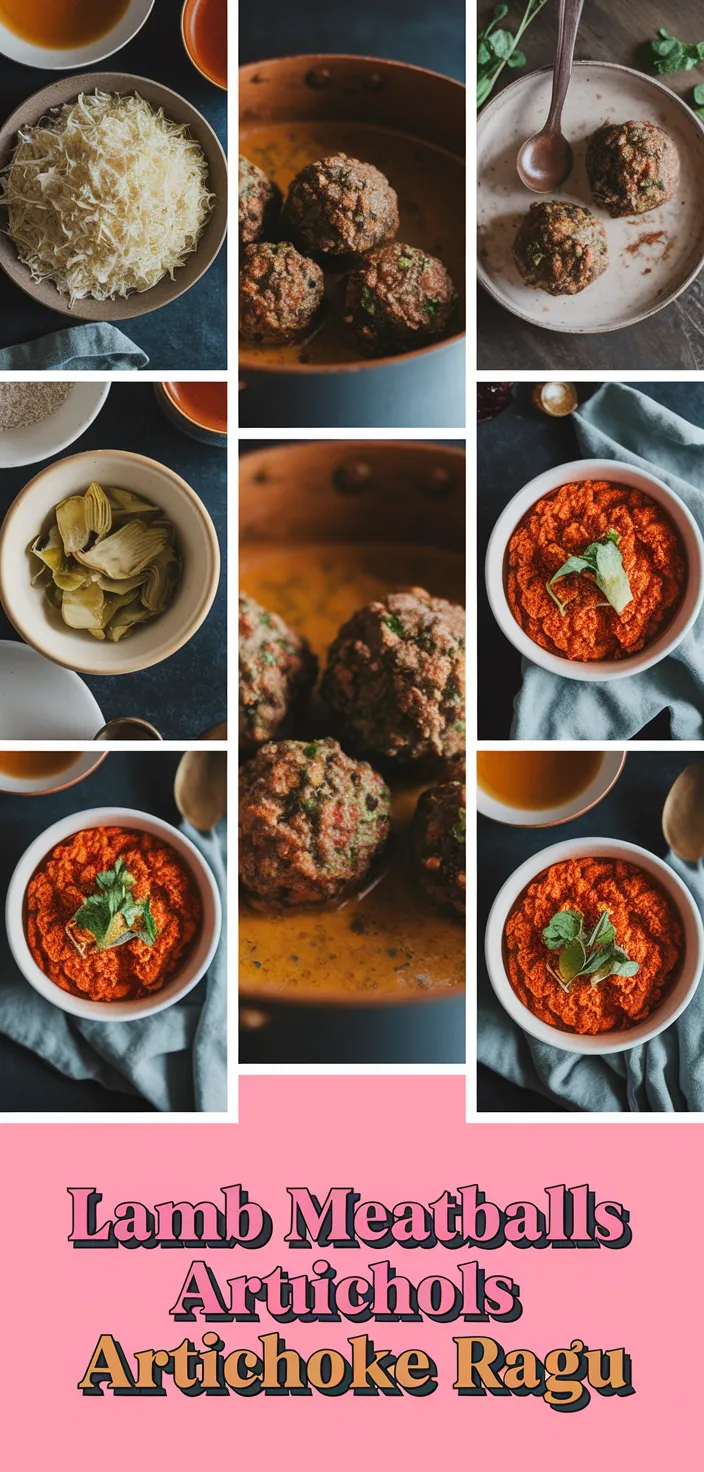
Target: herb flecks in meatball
(438, 846)
(560, 248)
(396, 676)
(341, 206)
(632, 167)
(281, 293)
(259, 202)
(311, 823)
(399, 299)
(277, 672)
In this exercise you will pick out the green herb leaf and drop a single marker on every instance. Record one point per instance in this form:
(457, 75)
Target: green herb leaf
(564, 928)
(603, 559)
(698, 94)
(595, 956)
(572, 960)
(112, 915)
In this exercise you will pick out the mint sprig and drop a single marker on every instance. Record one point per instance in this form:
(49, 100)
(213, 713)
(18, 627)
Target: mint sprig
(497, 47)
(604, 562)
(112, 915)
(594, 954)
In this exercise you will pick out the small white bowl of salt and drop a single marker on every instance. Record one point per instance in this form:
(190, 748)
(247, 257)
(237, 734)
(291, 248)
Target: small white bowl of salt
(40, 417)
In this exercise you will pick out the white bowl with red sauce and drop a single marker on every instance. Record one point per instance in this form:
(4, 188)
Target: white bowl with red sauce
(677, 997)
(674, 631)
(196, 961)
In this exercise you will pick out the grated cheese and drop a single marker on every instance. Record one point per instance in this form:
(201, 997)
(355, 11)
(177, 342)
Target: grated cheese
(106, 197)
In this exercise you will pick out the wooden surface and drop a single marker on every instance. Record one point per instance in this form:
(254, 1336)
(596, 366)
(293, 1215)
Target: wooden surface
(610, 30)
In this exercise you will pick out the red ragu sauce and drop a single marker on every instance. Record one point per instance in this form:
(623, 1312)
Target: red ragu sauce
(203, 403)
(205, 30)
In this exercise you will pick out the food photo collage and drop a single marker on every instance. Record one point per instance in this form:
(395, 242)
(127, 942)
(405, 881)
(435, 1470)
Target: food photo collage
(439, 538)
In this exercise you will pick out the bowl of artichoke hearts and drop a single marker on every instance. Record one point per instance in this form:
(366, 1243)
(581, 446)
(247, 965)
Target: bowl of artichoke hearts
(109, 562)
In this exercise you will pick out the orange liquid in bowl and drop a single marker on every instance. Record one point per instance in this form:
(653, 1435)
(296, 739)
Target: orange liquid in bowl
(31, 764)
(61, 24)
(534, 780)
(205, 34)
(204, 404)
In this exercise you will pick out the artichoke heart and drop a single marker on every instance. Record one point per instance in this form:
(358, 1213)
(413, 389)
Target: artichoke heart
(126, 551)
(84, 608)
(125, 619)
(73, 521)
(50, 551)
(125, 504)
(99, 510)
(162, 576)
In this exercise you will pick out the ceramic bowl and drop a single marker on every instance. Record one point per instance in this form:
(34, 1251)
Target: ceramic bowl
(669, 1008)
(627, 475)
(174, 411)
(50, 59)
(33, 109)
(190, 17)
(40, 701)
(51, 436)
(79, 764)
(42, 626)
(196, 962)
(609, 771)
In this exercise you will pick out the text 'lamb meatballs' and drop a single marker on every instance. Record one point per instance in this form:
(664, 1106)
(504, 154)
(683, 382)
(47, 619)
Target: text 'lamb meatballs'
(259, 202)
(311, 823)
(438, 846)
(280, 293)
(399, 299)
(632, 167)
(277, 671)
(560, 248)
(396, 676)
(341, 206)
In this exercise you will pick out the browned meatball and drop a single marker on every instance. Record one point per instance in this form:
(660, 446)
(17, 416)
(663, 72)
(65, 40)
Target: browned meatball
(259, 202)
(396, 676)
(311, 823)
(280, 293)
(438, 846)
(340, 205)
(399, 299)
(277, 672)
(632, 167)
(560, 248)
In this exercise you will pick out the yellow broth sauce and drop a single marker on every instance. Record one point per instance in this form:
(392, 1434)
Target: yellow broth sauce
(386, 944)
(429, 183)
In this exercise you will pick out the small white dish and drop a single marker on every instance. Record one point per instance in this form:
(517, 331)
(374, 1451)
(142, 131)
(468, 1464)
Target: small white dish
(670, 1007)
(621, 474)
(51, 436)
(79, 764)
(43, 627)
(652, 257)
(196, 962)
(125, 29)
(41, 701)
(608, 773)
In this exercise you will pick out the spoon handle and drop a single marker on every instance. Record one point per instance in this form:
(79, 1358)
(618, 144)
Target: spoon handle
(570, 15)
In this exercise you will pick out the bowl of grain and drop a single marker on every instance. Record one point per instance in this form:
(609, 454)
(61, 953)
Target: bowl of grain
(39, 418)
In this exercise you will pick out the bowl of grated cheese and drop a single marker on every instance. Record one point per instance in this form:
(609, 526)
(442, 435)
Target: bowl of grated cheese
(38, 417)
(113, 196)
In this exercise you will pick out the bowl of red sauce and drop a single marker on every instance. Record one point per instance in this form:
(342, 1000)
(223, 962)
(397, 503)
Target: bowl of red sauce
(198, 409)
(204, 31)
(646, 963)
(595, 570)
(113, 962)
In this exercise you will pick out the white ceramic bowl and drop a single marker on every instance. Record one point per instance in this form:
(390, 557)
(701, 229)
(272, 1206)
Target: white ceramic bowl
(196, 963)
(42, 626)
(79, 764)
(124, 30)
(627, 475)
(52, 435)
(608, 773)
(670, 1007)
(41, 701)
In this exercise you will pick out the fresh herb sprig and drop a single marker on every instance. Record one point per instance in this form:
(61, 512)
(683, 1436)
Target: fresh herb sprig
(667, 54)
(112, 915)
(497, 47)
(594, 954)
(604, 561)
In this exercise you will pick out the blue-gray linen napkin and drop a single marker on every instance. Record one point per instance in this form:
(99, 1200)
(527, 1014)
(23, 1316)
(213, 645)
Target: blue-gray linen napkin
(91, 346)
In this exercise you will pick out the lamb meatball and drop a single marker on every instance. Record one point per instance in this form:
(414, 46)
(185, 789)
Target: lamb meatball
(438, 846)
(399, 298)
(311, 823)
(396, 676)
(632, 167)
(280, 293)
(277, 672)
(560, 248)
(340, 205)
(259, 202)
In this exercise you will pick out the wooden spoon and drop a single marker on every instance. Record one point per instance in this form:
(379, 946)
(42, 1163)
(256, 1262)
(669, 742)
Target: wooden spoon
(200, 786)
(545, 160)
(683, 814)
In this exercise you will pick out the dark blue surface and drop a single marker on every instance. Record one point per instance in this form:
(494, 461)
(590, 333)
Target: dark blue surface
(191, 332)
(187, 693)
(413, 31)
(143, 780)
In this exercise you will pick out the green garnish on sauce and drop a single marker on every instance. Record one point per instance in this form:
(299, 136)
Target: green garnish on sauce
(112, 915)
(604, 562)
(580, 953)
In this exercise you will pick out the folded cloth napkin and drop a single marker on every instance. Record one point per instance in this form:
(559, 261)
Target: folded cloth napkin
(665, 1075)
(90, 346)
(619, 423)
(176, 1059)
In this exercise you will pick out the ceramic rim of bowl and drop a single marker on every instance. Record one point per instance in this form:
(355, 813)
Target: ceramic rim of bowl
(62, 64)
(549, 822)
(50, 791)
(184, 11)
(166, 386)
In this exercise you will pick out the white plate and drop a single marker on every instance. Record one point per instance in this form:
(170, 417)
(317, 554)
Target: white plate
(132, 21)
(40, 701)
(61, 429)
(637, 282)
